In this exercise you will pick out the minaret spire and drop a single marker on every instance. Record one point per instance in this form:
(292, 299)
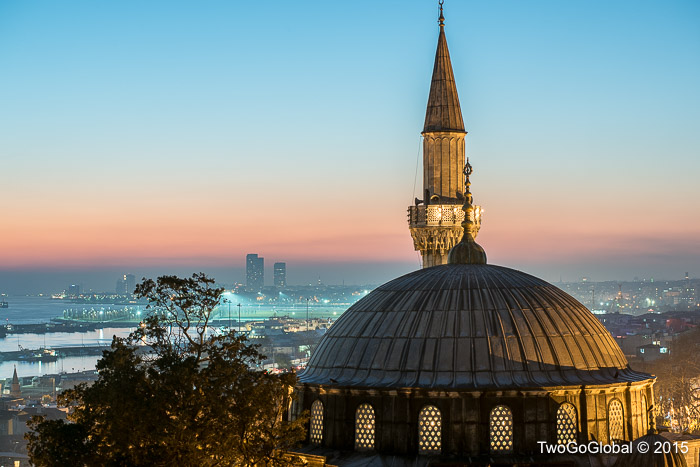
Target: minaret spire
(15, 388)
(443, 112)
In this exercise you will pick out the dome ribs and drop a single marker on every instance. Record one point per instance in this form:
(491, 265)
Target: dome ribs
(586, 352)
(468, 326)
(569, 349)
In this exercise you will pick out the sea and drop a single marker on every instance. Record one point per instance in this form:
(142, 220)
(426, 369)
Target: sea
(37, 309)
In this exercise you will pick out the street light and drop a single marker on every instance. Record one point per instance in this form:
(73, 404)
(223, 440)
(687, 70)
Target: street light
(239, 318)
(307, 314)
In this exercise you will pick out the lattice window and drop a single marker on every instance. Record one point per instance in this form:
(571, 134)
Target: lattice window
(364, 427)
(616, 419)
(316, 423)
(429, 430)
(567, 423)
(645, 415)
(501, 430)
(433, 214)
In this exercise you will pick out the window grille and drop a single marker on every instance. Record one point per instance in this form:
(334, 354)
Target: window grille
(501, 430)
(616, 427)
(316, 423)
(364, 427)
(430, 430)
(567, 423)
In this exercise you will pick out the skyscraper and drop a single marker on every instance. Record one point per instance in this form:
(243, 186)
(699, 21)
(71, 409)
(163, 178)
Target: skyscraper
(254, 273)
(130, 280)
(126, 284)
(280, 275)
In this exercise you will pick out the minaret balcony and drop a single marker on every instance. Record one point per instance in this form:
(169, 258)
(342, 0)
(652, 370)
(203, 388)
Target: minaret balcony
(440, 215)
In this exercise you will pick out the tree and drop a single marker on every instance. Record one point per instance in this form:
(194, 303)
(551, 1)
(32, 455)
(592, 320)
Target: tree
(173, 394)
(678, 383)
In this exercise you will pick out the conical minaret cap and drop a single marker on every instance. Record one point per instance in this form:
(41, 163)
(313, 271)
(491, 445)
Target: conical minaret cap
(443, 112)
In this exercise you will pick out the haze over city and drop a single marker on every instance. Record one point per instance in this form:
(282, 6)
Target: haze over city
(178, 138)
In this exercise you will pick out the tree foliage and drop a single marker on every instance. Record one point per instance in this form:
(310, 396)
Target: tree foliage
(174, 394)
(677, 387)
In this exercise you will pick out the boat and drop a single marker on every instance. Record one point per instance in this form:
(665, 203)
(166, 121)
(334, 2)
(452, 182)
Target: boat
(40, 355)
(4, 304)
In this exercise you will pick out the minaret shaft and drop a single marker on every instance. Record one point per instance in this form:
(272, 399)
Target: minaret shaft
(443, 160)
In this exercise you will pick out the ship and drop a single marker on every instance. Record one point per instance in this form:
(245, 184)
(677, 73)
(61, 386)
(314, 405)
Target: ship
(40, 355)
(4, 304)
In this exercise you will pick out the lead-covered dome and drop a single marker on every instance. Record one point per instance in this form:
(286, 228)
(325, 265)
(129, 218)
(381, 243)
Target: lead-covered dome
(468, 326)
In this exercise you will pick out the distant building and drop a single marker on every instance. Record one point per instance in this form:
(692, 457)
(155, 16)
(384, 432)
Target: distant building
(74, 290)
(126, 285)
(15, 389)
(254, 273)
(280, 275)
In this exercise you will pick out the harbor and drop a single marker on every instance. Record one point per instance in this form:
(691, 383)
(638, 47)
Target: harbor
(41, 335)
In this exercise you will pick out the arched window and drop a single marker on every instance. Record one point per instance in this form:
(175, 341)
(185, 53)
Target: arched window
(429, 430)
(501, 430)
(645, 416)
(616, 417)
(316, 423)
(567, 423)
(364, 427)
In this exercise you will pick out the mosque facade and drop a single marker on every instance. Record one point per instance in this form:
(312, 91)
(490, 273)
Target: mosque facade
(463, 362)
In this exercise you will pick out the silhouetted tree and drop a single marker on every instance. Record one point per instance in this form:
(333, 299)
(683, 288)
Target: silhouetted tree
(172, 394)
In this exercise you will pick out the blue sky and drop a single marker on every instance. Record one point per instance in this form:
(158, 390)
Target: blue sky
(240, 117)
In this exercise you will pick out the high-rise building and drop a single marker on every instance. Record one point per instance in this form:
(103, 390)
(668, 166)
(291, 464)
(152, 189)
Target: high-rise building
(126, 284)
(74, 290)
(130, 280)
(254, 273)
(280, 275)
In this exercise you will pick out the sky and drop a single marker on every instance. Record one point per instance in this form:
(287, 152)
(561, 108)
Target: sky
(160, 136)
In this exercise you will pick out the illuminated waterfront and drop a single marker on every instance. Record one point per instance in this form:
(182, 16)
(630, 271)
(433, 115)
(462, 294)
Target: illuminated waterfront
(35, 310)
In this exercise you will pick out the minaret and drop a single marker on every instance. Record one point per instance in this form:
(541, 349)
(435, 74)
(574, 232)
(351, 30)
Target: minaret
(15, 389)
(435, 221)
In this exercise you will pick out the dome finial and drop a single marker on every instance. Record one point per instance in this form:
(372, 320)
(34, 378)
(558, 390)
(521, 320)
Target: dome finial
(467, 251)
(441, 19)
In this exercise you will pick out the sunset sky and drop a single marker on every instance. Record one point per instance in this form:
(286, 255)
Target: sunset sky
(150, 137)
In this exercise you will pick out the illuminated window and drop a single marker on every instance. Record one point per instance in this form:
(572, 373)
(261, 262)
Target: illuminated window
(316, 423)
(567, 423)
(616, 417)
(501, 430)
(429, 430)
(645, 415)
(364, 427)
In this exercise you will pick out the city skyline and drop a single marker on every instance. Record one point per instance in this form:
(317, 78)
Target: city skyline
(141, 150)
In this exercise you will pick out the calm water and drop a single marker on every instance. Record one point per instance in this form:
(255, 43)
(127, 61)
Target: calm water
(68, 364)
(24, 310)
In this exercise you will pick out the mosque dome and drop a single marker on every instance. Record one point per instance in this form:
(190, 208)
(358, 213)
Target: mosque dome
(473, 362)
(468, 326)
